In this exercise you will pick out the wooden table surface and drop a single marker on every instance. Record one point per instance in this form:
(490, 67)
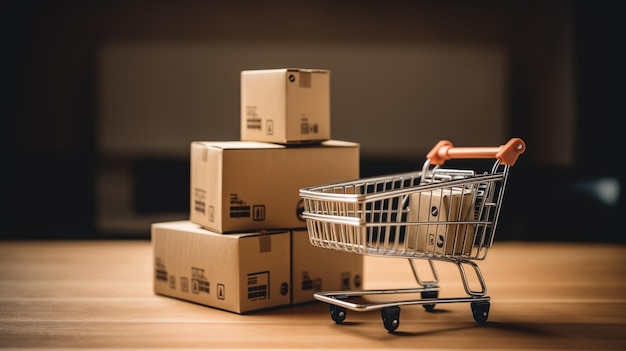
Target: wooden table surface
(98, 294)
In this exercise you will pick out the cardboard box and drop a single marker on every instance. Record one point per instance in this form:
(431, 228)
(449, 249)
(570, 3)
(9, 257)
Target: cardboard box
(247, 272)
(248, 186)
(289, 105)
(314, 269)
(442, 205)
(238, 273)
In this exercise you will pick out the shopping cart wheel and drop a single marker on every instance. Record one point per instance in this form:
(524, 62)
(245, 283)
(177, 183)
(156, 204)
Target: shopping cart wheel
(429, 295)
(337, 313)
(391, 318)
(480, 311)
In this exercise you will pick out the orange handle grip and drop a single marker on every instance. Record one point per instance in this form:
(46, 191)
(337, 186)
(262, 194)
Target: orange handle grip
(507, 153)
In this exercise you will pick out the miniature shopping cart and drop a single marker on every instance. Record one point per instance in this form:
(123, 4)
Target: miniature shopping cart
(435, 214)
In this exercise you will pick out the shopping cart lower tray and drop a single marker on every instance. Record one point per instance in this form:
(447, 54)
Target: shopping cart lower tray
(435, 214)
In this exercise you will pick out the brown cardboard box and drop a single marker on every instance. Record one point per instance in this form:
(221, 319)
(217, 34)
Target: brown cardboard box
(241, 186)
(289, 105)
(247, 272)
(314, 269)
(238, 272)
(442, 205)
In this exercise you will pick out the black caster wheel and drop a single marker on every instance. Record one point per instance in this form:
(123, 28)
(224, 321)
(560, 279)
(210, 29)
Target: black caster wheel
(429, 295)
(480, 311)
(338, 314)
(391, 318)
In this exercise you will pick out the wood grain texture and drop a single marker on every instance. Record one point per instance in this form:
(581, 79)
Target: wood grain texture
(98, 294)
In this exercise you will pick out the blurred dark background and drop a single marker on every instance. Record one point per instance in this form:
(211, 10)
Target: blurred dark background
(100, 100)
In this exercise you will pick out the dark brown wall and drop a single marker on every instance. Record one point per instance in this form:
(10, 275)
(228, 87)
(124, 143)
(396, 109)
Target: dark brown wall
(49, 104)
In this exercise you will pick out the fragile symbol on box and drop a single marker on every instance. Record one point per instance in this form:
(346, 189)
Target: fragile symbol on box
(221, 291)
(270, 127)
(258, 212)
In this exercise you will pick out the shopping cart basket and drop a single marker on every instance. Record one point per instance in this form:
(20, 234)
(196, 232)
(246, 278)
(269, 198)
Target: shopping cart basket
(435, 214)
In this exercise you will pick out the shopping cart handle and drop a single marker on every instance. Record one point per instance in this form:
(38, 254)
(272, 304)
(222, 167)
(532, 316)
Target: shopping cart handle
(507, 154)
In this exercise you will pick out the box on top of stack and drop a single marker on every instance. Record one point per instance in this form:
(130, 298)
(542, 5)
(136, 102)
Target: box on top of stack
(289, 105)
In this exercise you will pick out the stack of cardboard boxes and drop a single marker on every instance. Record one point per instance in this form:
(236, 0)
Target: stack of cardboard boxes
(245, 246)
